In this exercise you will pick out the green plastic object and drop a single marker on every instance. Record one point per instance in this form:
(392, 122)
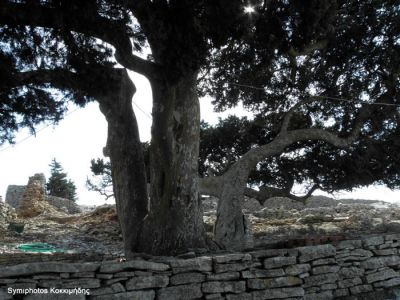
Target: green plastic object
(38, 247)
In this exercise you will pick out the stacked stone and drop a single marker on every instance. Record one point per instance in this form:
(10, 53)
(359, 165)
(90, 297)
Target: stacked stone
(353, 268)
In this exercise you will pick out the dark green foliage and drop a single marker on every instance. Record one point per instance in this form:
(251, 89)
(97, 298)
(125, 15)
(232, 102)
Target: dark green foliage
(58, 184)
(286, 52)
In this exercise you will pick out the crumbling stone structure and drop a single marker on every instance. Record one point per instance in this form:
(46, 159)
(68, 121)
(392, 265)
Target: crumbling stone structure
(34, 198)
(16, 194)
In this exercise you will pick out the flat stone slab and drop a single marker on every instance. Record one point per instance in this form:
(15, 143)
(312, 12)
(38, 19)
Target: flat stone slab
(137, 295)
(203, 264)
(282, 293)
(146, 282)
(261, 284)
(133, 264)
(180, 292)
(224, 287)
(47, 267)
(277, 262)
(379, 262)
(309, 253)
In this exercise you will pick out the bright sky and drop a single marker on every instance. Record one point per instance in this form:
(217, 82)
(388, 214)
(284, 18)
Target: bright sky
(82, 135)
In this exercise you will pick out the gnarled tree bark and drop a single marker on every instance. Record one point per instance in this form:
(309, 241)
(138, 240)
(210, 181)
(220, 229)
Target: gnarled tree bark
(127, 161)
(175, 221)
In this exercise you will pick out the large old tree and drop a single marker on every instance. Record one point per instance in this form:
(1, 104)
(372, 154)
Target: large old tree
(310, 70)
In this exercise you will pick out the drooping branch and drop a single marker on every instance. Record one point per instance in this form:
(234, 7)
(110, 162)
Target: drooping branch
(88, 23)
(287, 138)
(268, 192)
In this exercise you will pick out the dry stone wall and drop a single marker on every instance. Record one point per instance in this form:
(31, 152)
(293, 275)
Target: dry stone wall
(365, 268)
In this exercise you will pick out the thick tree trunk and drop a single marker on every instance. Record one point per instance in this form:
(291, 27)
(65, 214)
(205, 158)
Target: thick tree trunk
(127, 162)
(232, 230)
(175, 220)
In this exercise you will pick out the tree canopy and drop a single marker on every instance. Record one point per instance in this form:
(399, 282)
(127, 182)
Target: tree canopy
(321, 78)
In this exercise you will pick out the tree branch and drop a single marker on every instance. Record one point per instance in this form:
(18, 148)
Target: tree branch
(89, 23)
(288, 116)
(268, 192)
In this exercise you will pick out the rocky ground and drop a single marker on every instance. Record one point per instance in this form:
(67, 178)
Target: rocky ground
(280, 219)
(94, 231)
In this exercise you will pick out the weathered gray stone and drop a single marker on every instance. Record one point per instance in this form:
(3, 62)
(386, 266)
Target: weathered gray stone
(46, 267)
(309, 253)
(222, 268)
(269, 253)
(354, 255)
(223, 276)
(297, 269)
(269, 283)
(277, 262)
(54, 276)
(83, 275)
(259, 273)
(373, 240)
(115, 280)
(349, 244)
(203, 264)
(124, 274)
(304, 275)
(394, 238)
(217, 296)
(143, 273)
(113, 289)
(180, 292)
(227, 258)
(146, 282)
(133, 264)
(329, 286)
(281, 293)
(365, 288)
(340, 293)
(350, 272)
(384, 252)
(388, 283)
(325, 269)
(104, 276)
(243, 296)
(312, 290)
(382, 275)
(346, 283)
(319, 296)
(378, 262)
(50, 296)
(224, 287)
(136, 295)
(85, 283)
(4, 295)
(320, 279)
(184, 278)
(323, 261)
(7, 281)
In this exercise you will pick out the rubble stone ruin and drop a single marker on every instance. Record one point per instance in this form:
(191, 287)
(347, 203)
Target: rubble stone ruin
(29, 197)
